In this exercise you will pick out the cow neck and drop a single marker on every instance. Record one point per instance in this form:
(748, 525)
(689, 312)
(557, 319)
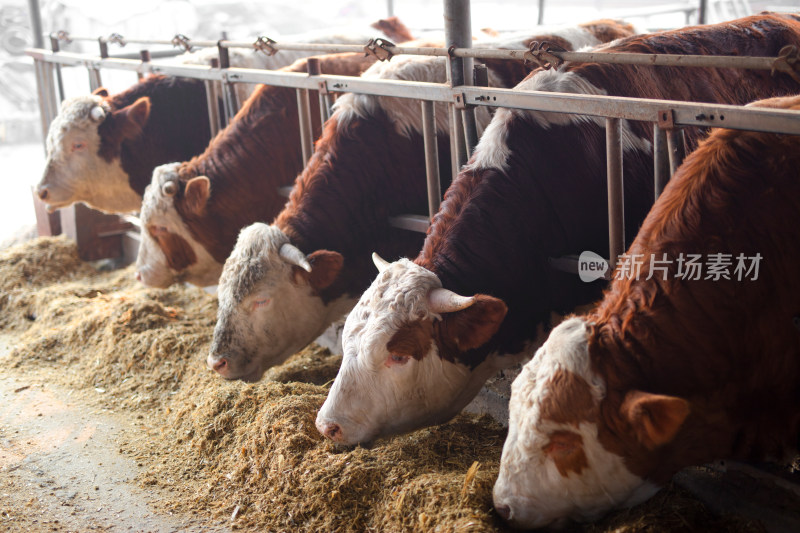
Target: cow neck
(363, 172)
(176, 130)
(258, 152)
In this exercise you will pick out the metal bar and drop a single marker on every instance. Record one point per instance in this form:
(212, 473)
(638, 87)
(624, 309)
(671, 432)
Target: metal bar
(40, 88)
(48, 83)
(36, 23)
(54, 46)
(213, 107)
(685, 113)
(458, 34)
(616, 205)
(676, 146)
(325, 105)
(459, 141)
(313, 69)
(231, 101)
(431, 157)
(661, 171)
(416, 223)
(145, 57)
(304, 116)
(540, 15)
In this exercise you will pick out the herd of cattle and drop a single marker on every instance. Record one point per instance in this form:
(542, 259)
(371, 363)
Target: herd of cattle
(663, 373)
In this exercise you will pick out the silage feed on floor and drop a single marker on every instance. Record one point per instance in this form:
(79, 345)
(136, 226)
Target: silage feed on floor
(250, 452)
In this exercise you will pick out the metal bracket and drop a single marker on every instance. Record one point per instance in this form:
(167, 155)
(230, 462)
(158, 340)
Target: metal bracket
(788, 62)
(323, 87)
(539, 53)
(666, 119)
(62, 35)
(265, 44)
(380, 48)
(460, 100)
(181, 41)
(116, 38)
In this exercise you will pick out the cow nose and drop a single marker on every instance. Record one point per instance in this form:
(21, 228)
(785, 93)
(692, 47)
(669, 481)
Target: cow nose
(217, 363)
(42, 192)
(138, 276)
(503, 510)
(330, 430)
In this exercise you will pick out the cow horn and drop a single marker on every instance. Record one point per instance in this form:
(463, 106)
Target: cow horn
(97, 113)
(380, 262)
(169, 188)
(294, 256)
(445, 301)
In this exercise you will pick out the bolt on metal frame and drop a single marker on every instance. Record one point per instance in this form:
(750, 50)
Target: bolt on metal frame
(668, 116)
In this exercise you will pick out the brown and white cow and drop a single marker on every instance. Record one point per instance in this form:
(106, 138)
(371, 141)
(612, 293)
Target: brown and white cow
(427, 334)
(102, 149)
(193, 211)
(671, 371)
(286, 283)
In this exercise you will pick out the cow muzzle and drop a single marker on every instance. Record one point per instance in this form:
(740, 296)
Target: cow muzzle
(219, 364)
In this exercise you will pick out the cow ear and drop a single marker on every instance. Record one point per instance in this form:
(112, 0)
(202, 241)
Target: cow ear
(102, 92)
(131, 119)
(197, 193)
(655, 418)
(473, 326)
(325, 268)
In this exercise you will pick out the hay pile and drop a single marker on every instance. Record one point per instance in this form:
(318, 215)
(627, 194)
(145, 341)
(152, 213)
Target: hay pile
(250, 452)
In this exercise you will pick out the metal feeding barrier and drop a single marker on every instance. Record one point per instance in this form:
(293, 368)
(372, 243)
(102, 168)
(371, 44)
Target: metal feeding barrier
(462, 93)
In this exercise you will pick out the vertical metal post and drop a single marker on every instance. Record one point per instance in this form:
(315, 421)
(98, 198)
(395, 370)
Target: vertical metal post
(314, 69)
(676, 145)
(40, 88)
(702, 12)
(458, 34)
(616, 197)
(54, 46)
(216, 107)
(661, 172)
(540, 15)
(304, 116)
(389, 8)
(230, 100)
(36, 23)
(144, 55)
(431, 156)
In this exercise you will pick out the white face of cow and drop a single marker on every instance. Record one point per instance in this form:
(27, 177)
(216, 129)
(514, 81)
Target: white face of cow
(168, 253)
(396, 375)
(554, 467)
(75, 170)
(269, 302)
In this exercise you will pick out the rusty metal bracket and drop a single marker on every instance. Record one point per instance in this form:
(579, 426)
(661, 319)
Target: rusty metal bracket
(265, 44)
(62, 35)
(116, 38)
(540, 53)
(323, 87)
(666, 119)
(460, 100)
(788, 62)
(380, 48)
(182, 41)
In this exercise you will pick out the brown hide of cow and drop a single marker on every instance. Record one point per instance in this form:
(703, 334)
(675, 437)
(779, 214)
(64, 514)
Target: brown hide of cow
(728, 347)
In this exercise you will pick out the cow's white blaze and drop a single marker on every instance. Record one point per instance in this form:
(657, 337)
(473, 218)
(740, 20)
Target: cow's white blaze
(372, 396)
(158, 212)
(529, 482)
(74, 170)
(267, 309)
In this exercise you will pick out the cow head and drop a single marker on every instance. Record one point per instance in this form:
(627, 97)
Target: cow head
(83, 154)
(402, 343)
(574, 451)
(168, 253)
(269, 302)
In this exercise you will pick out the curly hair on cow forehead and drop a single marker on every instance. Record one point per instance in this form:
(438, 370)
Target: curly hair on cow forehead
(250, 260)
(402, 290)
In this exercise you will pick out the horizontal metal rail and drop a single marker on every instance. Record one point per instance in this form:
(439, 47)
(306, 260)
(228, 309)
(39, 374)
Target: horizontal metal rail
(684, 113)
(701, 61)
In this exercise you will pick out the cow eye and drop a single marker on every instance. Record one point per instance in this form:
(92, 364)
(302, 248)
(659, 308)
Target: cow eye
(260, 303)
(78, 146)
(157, 230)
(395, 359)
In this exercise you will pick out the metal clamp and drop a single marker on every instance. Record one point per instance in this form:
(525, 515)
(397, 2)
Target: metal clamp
(666, 119)
(116, 38)
(788, 62)
(62, 35)
(181, 41)
(380, 48)
(323, 87)
(265, 44)
(459, 100)
(539, 53)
